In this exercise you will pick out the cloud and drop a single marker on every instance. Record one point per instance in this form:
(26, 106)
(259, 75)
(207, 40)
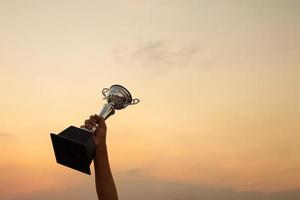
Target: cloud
(134, 172)
(131, 185)
(149, 189)
(6, 135)
(157, 54)
(159, 51)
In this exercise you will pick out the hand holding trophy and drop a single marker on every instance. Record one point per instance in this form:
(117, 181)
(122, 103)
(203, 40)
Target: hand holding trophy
(75, 147)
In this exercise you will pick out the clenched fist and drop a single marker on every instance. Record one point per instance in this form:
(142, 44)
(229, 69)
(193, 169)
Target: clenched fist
(99, 124)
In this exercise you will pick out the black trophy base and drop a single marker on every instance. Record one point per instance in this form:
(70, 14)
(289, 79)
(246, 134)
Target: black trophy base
(74, 147)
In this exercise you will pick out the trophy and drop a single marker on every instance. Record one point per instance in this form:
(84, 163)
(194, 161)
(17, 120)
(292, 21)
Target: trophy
(74, 147)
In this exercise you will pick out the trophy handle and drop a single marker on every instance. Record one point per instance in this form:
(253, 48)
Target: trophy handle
(134, 101)
(104, 91)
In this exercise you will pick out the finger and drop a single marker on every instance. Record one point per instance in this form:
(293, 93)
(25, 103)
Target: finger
(92, 118)
(101, 122)
(86, 127)
(89, 124)
(88, 121)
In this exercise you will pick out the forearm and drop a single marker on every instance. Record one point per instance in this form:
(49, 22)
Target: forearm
(105, 186)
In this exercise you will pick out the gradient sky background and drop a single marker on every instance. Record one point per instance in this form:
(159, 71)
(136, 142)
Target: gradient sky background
(219, 83)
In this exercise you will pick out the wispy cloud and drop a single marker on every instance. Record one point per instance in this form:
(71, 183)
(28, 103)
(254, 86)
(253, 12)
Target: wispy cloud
(160, 51)
(157, 53)
(134, 172)
(6, 135)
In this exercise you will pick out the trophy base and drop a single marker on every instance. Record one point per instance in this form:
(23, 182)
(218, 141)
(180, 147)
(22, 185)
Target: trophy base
(74, 147)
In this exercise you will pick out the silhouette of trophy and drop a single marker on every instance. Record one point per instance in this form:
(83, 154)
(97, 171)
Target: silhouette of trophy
(74, 147)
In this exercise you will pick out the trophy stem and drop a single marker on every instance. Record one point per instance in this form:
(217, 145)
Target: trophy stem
(107, 111)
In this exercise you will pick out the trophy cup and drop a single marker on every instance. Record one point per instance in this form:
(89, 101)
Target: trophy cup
(74, 147)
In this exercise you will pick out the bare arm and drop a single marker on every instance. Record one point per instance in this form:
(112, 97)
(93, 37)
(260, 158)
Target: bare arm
(105, 185)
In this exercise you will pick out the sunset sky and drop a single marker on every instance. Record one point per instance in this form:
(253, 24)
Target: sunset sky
(219, 84)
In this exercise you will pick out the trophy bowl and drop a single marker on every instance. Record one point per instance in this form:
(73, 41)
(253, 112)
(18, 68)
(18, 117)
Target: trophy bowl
(117, 97)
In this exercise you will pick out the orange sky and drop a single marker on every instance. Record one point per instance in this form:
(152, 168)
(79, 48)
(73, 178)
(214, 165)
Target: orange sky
(218, 83)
